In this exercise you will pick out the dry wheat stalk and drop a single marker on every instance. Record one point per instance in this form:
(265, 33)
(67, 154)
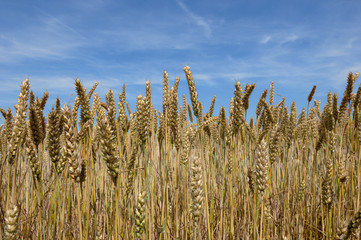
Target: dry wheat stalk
(301, 190)
(335, 109)
(185, 147)
(130, 170)
(238, 108)
(274, 143)
(271, 93)
(112, 111)
(327, 180)
(162, 128)
(36, 118)
(84, 130)
(148, 107)
(173, 116)
(196, 190)
(211, 108)
(95, 106)
(192, 90)
(301, 128)
(11, 222)
(140, 215)
(142, 118)
(260, 102)
(31, 152)
(262, 167)
(310, 96)
(108, 146)
(9, 118)
(190, 114)
(77, 166)
(250, 180)
(84, 101)
(342, 173)
(72, 148)
(222, 121)
(155, 121)
(183, 113)
(269, 113)
(54, 137)
(293, 115)
(246, 95)
(91, 91)
(357, 98)
(122, 117)
(19, 128)
(346, 96)
(312, 121)
(353, 225)
(165, 92)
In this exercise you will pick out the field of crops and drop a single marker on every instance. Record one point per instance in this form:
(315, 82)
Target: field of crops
(100, 170)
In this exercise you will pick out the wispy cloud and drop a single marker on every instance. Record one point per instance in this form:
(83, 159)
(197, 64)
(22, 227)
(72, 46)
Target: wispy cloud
(351, 41)
(49, 39)
(207, 79)
(289, 38)
(196, 18)
(265, 39)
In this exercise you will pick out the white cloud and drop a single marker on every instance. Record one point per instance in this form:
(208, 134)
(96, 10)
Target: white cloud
(197, 19)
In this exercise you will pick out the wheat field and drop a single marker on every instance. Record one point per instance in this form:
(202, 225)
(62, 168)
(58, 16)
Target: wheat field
(100, 170)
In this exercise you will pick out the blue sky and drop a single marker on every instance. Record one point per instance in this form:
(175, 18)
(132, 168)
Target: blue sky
(296, 44)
